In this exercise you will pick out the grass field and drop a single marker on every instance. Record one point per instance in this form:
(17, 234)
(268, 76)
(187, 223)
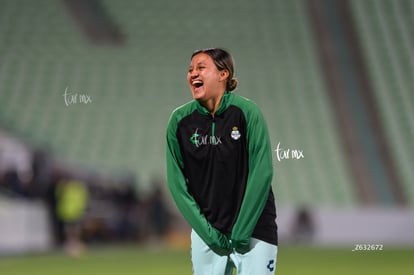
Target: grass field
(137, 260)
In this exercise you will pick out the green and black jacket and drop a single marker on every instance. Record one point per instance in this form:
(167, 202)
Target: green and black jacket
(219, 172)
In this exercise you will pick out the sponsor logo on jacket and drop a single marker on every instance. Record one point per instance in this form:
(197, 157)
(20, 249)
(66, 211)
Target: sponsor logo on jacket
(199, 140)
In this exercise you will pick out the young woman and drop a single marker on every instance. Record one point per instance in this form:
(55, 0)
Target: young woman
(219, 172)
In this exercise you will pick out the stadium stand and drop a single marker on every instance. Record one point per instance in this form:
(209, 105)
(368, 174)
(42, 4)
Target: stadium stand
(386, 34)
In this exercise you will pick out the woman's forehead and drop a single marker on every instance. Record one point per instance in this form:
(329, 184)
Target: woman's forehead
(201, 58)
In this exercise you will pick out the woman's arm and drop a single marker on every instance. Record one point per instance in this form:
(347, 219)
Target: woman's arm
(258, 182)
(185, 201)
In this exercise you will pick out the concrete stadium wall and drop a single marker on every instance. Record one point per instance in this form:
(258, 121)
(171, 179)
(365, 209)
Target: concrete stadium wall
(351, 227)
(24, 227)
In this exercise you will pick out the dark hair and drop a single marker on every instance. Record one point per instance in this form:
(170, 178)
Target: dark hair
(223, 61)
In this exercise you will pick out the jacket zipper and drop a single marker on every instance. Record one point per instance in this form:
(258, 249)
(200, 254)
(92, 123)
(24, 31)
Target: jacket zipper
(213, 130)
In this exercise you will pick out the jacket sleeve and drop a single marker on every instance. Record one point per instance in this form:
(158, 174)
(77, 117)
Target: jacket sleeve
(258, 182)
(185, 201)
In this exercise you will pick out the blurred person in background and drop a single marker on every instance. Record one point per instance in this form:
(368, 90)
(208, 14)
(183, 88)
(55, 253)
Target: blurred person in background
(303, 229)
(126, 199)
(72, 199)
(219, 171)
(159, 216)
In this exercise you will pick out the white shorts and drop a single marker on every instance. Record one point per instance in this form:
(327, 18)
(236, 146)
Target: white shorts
(261, 259)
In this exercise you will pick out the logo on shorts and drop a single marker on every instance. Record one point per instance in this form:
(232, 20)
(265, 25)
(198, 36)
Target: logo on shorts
(271, 265)
(235, 134)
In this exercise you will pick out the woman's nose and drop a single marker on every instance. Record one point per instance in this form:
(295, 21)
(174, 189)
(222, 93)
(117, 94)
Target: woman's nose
(193, 74)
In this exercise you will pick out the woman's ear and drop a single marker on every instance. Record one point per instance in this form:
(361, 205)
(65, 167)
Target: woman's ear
(224, 74)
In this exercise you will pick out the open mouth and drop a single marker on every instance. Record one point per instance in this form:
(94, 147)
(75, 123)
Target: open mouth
(197, 83)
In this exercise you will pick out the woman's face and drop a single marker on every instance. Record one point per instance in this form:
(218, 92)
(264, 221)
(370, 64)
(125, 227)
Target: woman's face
(204, 79)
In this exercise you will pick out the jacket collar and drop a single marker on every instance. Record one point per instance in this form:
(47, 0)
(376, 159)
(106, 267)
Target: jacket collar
(224, 104)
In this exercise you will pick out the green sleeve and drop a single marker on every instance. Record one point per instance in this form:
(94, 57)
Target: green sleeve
(258, 182)
(185, 201)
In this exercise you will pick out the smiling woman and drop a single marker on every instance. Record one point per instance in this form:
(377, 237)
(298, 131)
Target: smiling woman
(209, 75)
(219, 171)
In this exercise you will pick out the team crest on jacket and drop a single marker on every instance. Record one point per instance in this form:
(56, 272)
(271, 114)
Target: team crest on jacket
(235, 134)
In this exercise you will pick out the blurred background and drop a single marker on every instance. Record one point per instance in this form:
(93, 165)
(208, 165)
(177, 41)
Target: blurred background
(87, 87)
